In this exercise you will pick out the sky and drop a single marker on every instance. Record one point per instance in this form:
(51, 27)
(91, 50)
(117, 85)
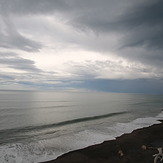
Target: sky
(106, 45)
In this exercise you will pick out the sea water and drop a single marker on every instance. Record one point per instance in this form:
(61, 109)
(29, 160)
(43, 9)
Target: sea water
(38, 126)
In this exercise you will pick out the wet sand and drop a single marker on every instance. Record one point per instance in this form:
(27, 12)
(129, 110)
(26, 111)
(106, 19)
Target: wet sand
(136, 147)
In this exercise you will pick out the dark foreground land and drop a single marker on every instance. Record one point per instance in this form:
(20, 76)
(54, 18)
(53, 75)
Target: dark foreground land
(137, 147)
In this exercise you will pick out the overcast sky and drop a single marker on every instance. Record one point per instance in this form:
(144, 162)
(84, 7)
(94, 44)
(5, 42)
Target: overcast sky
(104, 45)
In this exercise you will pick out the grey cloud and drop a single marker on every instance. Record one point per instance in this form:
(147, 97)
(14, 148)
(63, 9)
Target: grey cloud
(12, 60)
(112, 70)
(144, 25)
(127, 17)
(94, 10)
(149, 58)
(142, 28)
(12, 39)
(140, 23)
(148, 12)
(133, 28)
(137, 27)
(5, 77)
(31, 6)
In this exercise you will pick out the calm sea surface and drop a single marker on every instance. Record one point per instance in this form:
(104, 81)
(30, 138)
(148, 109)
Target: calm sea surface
(39, 126)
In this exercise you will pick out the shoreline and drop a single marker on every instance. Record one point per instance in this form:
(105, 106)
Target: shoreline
(137, 146)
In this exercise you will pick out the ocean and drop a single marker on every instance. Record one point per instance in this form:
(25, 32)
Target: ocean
(38, 126)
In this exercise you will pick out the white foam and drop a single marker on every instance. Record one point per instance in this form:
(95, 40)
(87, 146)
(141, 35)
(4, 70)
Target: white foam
(52, 148)
(160, 115)
(24, 153)
(138, 123)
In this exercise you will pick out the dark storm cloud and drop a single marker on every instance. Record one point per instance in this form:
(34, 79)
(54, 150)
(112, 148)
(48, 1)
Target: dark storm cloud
(12, 60)
(144, 25)
(140, 23)
(12, 39)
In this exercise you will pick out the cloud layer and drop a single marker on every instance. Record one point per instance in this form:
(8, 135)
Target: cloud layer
(58, 42)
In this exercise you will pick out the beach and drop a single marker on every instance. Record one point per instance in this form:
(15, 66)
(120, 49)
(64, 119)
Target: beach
(136, 147)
